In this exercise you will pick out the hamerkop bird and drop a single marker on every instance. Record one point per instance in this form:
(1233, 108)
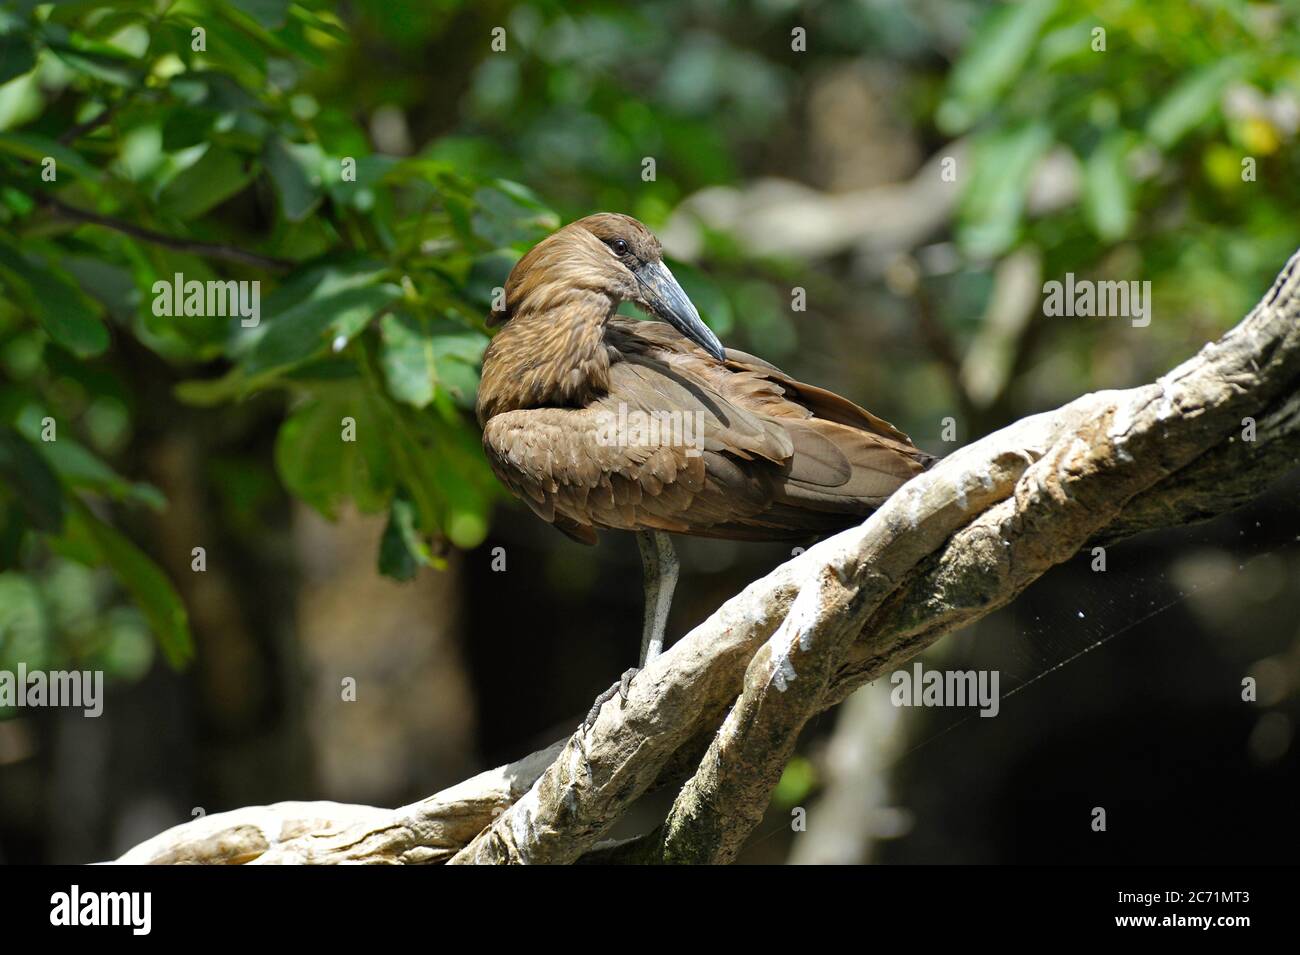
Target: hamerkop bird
(596, 420)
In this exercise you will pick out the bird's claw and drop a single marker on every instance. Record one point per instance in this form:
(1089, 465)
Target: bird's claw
(620, 689)
(625, 682)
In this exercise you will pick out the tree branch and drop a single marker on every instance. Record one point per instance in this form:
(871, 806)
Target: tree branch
(211, 250)
(431, 830)
(954, 544)
(73, 133)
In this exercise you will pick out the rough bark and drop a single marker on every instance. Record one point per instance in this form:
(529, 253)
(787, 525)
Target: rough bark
(431, 830)
(954, 544)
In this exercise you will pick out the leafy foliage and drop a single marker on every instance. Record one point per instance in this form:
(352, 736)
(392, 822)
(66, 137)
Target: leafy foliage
(142, 145)
(1173, 118)
(253, 141)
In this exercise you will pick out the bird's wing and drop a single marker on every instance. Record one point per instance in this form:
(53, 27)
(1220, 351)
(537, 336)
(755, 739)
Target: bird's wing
(741, 451)
(748, 376)
(570, 468)
(844, 458)
(653, 454)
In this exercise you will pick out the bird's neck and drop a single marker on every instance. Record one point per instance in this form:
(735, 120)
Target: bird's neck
(548, 357)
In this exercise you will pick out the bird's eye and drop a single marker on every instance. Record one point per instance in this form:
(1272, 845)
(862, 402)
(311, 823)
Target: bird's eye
(619, 246)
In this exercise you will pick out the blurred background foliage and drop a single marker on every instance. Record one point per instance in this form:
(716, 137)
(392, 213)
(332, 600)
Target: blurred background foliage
(1119, 155)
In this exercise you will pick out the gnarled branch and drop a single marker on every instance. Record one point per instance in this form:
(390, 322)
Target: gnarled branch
(954, 544)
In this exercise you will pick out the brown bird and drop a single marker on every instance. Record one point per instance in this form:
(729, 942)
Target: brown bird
(596, 420)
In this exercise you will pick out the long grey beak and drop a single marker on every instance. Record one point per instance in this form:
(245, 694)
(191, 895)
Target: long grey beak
(665, 299)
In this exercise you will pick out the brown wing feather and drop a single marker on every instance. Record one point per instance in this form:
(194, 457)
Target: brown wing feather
(776, 458)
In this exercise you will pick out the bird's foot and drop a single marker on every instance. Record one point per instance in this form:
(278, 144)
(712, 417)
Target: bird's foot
(620, 688)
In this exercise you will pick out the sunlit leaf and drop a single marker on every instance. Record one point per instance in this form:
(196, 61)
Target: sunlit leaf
(217, 176)
(407, 358)
(1108, 189)
(993, 60)
(994, 199)
(335, 448)
(1191, 102)
(311, 326)
(506, 213)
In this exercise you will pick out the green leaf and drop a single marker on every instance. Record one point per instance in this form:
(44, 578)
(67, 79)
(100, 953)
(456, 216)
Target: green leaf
(187, 126)
(994, 199)
(35, 486)
(269, 13)
(401, 550)
(488, 272)
(408, 358)
(1191, 102)
(797, 782)
(506, 213)
(308, 283)
(319, 465)
(209, 392)
(77, 467)
(24, 622)
(63, 311)
(35, 148)
(112, 69)
(296, 178)
(112, 286)
(16, 56)
(320, 279)
(420, 355)
(142, 578)
(1001, 47)
(217, 176)
(458, 378)
(1107, 189)
(309, 327)
(439, 460)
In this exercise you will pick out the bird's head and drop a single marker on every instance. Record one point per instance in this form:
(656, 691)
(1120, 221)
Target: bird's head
(611, 257)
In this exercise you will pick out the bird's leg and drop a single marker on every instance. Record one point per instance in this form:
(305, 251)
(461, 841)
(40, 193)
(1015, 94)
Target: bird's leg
(659, 566)
(659, 569)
